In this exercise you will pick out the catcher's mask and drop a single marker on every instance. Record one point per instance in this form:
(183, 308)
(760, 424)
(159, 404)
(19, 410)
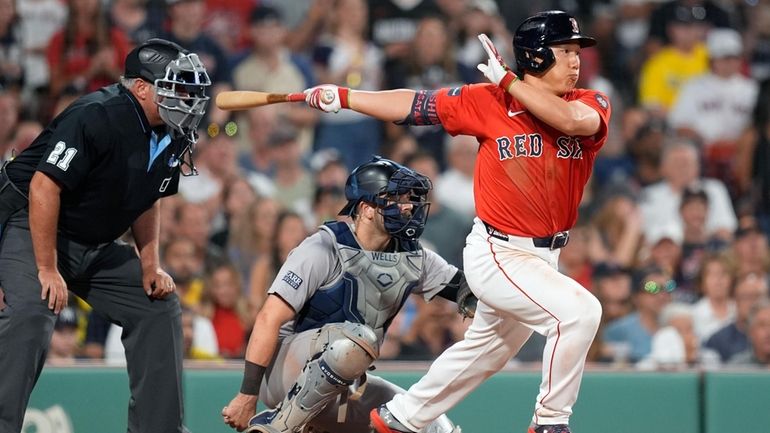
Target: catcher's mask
(537, 33)
(389, 186)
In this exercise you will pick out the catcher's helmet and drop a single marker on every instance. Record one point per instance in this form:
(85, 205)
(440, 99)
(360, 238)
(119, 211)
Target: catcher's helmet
(380, 182)
(536, 33)
(180, 79)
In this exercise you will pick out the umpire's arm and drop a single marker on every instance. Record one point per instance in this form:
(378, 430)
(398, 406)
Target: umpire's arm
(44, 203)
(146, 230)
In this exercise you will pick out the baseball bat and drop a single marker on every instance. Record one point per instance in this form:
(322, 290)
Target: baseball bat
(246, 99)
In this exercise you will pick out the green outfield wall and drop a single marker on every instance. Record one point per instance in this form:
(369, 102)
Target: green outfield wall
(94, 400)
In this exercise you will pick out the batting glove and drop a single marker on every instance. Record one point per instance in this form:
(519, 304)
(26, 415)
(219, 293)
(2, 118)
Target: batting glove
(327, 97)
(495, 69)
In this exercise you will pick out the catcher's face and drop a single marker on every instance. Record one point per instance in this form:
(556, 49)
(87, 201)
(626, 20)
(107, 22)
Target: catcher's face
(564, 73)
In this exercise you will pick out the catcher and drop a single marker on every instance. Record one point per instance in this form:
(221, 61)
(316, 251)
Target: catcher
(328, 309)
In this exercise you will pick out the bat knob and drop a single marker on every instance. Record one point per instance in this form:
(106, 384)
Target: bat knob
(327, 97)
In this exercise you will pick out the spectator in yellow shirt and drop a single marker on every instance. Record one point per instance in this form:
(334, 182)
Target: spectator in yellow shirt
(686, 56)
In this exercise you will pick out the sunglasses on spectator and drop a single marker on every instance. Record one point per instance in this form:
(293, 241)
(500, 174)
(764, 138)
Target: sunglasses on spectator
(655, 287)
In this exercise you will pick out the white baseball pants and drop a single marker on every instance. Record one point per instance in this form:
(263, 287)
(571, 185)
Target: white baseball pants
(520, 290)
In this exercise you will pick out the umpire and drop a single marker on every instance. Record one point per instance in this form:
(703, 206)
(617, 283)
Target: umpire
(98, 169)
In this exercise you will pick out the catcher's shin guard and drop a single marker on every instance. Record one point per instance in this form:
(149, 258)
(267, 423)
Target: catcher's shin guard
(325, 377)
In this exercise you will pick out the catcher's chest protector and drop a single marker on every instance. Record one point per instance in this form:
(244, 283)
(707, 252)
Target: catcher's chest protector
(371, 288)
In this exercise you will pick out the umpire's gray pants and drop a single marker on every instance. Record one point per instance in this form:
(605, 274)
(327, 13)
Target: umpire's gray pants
(109, 278)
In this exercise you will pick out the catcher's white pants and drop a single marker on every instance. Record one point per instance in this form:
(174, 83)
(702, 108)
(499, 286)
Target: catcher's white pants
(520, 290)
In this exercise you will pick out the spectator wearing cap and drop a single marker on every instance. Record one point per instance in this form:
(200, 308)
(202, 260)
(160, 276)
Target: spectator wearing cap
(329, 169)
(612, 286)
(684, 57)
(716, 307)
(269, 66)
(759, 338)
(716, 107)
(733, 339)
(708, 11)
(680, 168)
(665, 248)
(394, 24)
(64, 345)
(186, 19)
(630, 336)
(294, 186)
(347, 58)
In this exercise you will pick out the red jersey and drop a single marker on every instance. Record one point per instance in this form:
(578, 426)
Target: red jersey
(529, 177)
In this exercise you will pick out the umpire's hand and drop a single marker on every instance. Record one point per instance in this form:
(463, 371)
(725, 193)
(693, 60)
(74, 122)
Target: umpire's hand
(157, 283)
(54, 288)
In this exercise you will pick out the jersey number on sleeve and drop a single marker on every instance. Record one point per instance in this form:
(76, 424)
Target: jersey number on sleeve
(64, 162)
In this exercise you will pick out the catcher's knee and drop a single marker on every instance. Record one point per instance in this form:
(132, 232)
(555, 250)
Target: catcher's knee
(351, 354)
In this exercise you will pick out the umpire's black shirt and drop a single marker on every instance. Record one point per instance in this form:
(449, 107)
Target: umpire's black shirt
(98, 150)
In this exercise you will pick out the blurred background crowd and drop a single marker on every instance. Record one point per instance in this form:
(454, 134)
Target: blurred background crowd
(673, 230)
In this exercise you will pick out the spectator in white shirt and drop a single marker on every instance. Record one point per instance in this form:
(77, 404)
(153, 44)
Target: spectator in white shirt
(454, 188)
(716, 107)
(680, 169)
(716, 309)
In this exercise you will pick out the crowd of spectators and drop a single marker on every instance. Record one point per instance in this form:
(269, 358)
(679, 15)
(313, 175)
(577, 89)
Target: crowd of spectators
(673, 230)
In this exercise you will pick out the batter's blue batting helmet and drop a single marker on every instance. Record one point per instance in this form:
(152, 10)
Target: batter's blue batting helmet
(538, 32)
(380, 182)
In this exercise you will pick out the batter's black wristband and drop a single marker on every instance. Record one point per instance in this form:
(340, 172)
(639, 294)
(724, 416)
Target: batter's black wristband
(252, 378)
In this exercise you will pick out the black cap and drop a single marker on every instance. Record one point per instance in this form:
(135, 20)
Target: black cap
(68, 318)
(148, 61)
(264, 13)
(282, 134)
(694, 193)
(608, 269)
(747, 229)
(689, 14)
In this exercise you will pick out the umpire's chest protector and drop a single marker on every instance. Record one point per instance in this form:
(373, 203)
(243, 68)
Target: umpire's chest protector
(371, 288)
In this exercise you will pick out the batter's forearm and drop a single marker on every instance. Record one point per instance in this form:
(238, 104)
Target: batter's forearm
(388, 105)
(44, 204)
(146, 230)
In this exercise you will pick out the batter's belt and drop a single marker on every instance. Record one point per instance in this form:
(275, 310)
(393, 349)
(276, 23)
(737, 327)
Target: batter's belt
(553, 242)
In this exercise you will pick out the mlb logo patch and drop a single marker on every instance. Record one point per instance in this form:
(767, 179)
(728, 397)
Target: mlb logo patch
(454, 91)
(602, 100)
(292, 279)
